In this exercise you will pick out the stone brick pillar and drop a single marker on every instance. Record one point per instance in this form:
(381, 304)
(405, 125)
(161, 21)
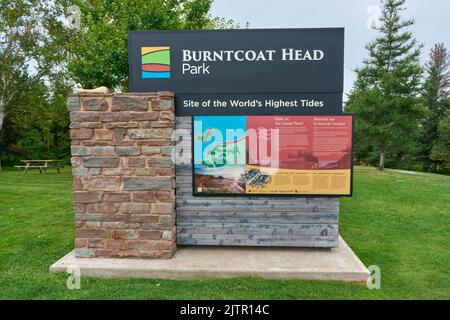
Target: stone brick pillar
(123, 174)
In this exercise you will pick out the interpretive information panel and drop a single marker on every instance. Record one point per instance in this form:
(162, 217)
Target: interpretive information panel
(270, 155)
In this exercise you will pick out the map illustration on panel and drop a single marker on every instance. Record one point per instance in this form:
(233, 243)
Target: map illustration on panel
(219, 154)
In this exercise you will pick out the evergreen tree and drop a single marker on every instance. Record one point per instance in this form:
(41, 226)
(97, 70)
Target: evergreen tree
(441, 149)
(436, 91)
(385, 95)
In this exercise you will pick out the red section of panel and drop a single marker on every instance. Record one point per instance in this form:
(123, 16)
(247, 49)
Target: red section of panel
(300, 142)
(153, 67)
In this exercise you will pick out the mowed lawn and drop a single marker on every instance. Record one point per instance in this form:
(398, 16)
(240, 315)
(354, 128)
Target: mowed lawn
(400, 222)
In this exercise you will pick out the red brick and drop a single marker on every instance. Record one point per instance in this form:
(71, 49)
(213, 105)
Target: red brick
(81, 134)
(103, 207)
(105, 253)
(145, 171)
(136, 162)
(136, 208)
(167, 116)
(121, 125)
(115, 244)
(149, 142)
(103, 134)
(98, 143)
(161, 124)
(124, 234)
(76, 184)
(114, 116)
(117, 197)
(162, 208)
(102, 183)
(165, 171)
(80, 243)
(86, 196)
(91, 125)
(96, 243)
(138, 244)
(150, 234)
(164, 196)
(144, 197)
(140, 218)
(144, 116)
(84, 116)
(119, 134)
(162, 245)
(165, 94)
(92, 233)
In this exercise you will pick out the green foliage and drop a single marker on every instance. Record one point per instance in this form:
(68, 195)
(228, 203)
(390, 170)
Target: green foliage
(436, 99)
(98, 53)
(33, 88)
(37, 126)
(441, 149)
(385, 95)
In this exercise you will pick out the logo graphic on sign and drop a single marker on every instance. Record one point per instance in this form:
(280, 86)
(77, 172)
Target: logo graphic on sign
(155, 62)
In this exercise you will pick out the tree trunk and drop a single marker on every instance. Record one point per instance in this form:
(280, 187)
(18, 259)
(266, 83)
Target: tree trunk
(382, 158)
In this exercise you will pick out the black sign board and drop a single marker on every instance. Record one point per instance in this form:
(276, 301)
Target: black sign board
(211, 70)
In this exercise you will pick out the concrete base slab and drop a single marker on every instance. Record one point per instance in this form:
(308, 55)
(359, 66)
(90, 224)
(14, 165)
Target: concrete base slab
(196, 262)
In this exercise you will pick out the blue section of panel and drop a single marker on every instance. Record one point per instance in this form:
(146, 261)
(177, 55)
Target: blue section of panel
(155, 75)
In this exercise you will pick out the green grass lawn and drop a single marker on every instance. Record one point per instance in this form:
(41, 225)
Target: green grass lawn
(397, 221)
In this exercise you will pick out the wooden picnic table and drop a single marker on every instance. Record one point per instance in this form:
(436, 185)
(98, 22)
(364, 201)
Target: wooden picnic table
(42, 165)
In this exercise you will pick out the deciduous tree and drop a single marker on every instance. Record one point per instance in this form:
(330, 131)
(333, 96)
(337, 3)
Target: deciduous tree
(98, 50)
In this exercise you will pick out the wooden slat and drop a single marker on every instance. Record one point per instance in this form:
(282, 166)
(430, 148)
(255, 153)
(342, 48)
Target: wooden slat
(258, 201)
(183, 122)
(268, 217)
(255, 208)
(258, 228)
(256, 240)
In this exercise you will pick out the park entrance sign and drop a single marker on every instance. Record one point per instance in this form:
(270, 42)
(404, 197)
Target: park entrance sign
(262, 148)
(266, 148)
(242, 72)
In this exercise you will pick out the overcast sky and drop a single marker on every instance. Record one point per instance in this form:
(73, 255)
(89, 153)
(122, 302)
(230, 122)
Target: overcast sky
(432, 21)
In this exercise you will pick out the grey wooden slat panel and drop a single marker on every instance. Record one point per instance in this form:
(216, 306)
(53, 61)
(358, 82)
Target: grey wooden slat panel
(183, 170)
(232, 201)
(183, 180)
(255, 208)
(259, 240)
(262, 217)
(256, 228)
(226, 202)
(249, 220)
(183, 122)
